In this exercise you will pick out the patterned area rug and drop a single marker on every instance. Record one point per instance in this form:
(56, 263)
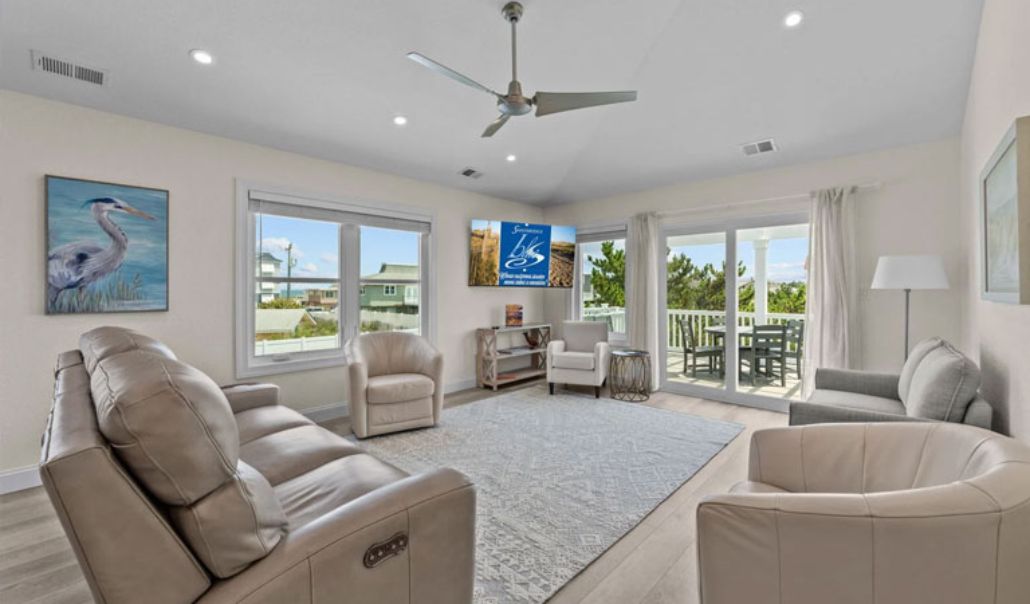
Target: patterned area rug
(559, 478)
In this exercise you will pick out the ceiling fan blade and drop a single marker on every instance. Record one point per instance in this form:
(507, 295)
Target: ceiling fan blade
(495, 125)
(554, 102)
(447, 71)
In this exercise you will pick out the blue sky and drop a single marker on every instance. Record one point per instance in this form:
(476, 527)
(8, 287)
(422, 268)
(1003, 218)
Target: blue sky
(785, 258)
(316, 245)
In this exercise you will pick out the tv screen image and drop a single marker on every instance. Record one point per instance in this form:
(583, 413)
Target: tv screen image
(520, 254)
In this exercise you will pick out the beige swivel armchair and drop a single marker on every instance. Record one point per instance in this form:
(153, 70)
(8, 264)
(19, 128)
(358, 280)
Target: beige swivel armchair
(396, 383)
(173, 490)
(884, 513)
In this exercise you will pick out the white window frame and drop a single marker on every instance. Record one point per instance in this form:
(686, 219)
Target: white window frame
(351, 214)
(389, 289)
(594, 235)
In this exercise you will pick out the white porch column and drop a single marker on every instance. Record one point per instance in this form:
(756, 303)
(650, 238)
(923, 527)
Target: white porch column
(761, 282)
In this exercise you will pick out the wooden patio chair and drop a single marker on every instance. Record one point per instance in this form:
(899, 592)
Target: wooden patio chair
(769, 345)
(796, 338)
(693, 350)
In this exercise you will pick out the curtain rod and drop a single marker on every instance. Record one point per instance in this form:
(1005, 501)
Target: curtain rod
(869, 186)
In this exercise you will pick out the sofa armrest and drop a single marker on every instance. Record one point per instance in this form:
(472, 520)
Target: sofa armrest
(802, 414)
(883, 385)
(248, 396)
(326, 559)
(833, 547)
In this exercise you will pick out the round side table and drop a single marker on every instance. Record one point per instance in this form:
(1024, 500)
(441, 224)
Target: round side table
(629, 375)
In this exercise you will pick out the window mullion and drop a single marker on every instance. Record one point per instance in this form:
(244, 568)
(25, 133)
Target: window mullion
(350, 276)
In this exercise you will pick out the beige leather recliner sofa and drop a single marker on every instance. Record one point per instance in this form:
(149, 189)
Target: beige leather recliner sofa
(884, 513)
(172, 489)
(395, 381)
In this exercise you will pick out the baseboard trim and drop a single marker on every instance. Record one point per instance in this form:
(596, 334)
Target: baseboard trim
(325, 413)
(459, 386)
(19, 479)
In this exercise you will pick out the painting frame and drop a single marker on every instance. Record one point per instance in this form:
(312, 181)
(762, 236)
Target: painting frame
(163, 220)
(1004, 214)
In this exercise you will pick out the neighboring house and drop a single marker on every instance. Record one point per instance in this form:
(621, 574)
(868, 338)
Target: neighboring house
(268, 266)
(324, 299)
(278, 323)
(387, 290)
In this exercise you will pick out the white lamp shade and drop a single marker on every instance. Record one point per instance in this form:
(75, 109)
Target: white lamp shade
(910, 272)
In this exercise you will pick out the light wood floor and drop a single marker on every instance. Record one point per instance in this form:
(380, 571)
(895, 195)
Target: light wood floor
(654, 563)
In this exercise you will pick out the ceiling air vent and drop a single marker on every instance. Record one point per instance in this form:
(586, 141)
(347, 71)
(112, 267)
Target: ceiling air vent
(759, 147)
(471, 173)
(62, 67)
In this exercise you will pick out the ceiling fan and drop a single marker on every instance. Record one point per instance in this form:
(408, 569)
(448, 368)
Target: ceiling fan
(515, 103)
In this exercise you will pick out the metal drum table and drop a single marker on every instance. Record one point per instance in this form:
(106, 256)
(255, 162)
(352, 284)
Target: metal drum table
(629, 375)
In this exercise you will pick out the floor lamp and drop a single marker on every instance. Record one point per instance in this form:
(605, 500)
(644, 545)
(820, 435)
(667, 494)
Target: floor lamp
(909, 273)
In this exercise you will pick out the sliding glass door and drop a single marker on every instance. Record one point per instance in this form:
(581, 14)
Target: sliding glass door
(733, 310)
(695, 317)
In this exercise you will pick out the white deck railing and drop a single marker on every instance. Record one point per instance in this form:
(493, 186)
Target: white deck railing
(699, 319)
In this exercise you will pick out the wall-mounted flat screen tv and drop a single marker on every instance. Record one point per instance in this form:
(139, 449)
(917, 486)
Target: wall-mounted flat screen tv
(519, 254)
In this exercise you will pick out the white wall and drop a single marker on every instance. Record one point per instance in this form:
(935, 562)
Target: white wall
(914, 211)
(39, 137)
(999, 334)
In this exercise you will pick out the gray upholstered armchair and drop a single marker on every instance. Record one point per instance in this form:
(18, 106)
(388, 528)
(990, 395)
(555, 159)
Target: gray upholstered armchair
(396, 383)
(937, 383)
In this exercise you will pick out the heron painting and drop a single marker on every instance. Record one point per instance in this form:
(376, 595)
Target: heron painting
(107, 247)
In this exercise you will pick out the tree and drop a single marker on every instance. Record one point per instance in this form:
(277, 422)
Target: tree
(697, 287)
(608, 276)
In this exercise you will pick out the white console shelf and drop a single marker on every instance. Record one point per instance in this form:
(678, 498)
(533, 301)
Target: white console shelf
(495, 345)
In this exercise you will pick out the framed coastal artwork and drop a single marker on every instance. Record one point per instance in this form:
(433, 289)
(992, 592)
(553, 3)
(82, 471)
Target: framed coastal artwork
(1005, 219)
(106, 247)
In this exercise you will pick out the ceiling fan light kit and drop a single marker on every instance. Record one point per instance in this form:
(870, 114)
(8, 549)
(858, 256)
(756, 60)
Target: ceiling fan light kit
(515, 103)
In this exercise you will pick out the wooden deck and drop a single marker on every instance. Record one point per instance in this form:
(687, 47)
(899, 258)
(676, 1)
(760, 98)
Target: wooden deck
(764, 386)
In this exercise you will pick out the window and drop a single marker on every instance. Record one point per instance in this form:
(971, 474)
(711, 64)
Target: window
(312, 273)
(601, 275)
(390, 259)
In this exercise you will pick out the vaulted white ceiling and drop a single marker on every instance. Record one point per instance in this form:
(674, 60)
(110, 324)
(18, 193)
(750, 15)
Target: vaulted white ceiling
(326, 77)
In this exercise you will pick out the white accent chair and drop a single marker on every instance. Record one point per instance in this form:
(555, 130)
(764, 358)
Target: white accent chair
(581, 358)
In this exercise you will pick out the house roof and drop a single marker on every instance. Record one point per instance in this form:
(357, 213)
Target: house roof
(267, 257)
(279, 320)
(394, 272)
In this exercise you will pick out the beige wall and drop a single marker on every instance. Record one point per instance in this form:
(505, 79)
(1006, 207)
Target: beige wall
(39, 137)
(999, 334)
(915, 211)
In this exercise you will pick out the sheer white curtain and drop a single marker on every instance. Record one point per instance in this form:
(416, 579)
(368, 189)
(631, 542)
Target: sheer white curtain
(830, 335)
(642, 288)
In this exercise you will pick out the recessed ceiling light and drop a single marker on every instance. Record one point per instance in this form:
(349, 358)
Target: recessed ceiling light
(511, 157)
(400, 120)
(794, 18)
(202, 56)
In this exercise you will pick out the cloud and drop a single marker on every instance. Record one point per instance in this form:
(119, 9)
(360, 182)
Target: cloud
(310, 267)
(787, 271)
(279, 244)
(328, 258)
